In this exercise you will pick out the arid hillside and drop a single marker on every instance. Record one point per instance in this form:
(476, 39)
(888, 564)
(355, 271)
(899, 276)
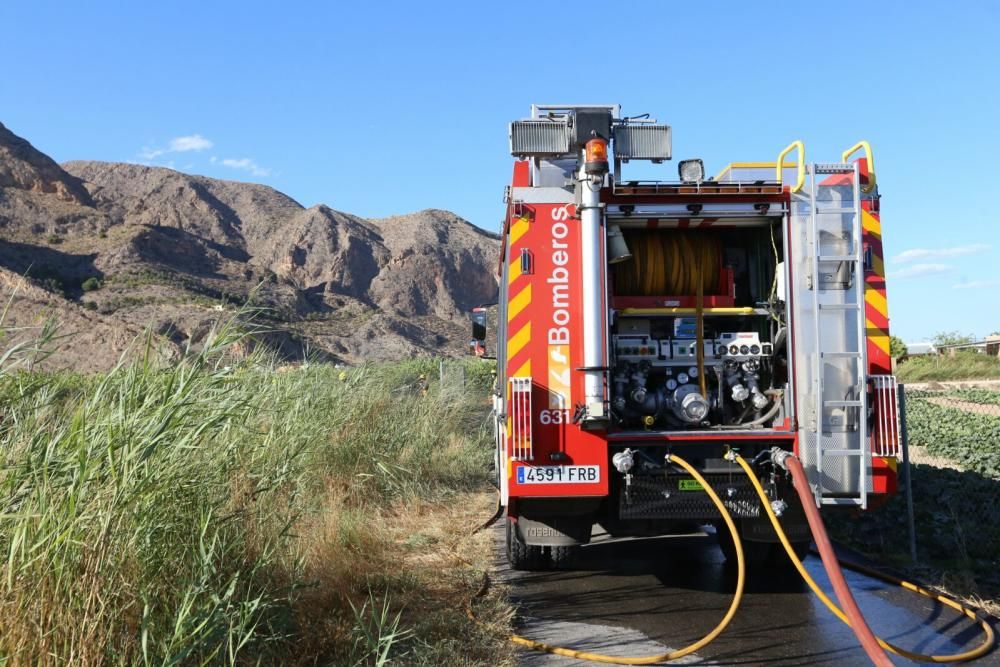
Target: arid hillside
(111, 250)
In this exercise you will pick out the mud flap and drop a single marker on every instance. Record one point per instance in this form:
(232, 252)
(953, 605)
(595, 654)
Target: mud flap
(554, 531)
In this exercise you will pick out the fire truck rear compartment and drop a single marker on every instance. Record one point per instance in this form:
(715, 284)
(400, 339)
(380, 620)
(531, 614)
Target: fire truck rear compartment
(668, 283)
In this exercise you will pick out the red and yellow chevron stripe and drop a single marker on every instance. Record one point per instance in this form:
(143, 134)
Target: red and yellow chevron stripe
(518, 305)
(876, 308)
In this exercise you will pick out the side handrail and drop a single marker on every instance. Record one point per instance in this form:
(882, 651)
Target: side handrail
(800, 165)
(868, 157)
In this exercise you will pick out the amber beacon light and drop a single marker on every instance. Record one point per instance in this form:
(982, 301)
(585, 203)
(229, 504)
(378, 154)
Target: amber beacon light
(596, 161)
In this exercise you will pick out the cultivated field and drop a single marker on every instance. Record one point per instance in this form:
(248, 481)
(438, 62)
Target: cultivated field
(955, 447)
(220, 510)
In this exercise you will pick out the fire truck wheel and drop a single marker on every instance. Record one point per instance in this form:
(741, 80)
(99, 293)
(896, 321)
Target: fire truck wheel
(520, 555)
(564, 558)
(755, 554)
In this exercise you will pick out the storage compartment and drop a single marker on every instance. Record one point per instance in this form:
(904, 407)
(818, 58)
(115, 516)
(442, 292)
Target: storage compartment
(684, 361)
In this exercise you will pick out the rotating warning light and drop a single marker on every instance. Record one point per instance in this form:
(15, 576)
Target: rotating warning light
(596, 156)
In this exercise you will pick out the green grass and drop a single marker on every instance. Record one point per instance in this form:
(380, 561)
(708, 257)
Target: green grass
(940, 368)
(218, 511)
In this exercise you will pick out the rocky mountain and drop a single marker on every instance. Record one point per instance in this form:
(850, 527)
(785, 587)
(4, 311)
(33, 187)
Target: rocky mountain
(111, 250)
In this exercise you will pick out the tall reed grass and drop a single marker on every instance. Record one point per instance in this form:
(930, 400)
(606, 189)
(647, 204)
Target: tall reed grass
(217, 511)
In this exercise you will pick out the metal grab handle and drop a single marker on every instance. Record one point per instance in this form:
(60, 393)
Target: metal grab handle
(800, 166)
(868, 156)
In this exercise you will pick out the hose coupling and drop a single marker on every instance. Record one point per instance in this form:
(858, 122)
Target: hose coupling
(779, 457)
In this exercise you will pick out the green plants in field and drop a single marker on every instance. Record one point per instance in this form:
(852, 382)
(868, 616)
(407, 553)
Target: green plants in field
(970, 439)
(980, 396)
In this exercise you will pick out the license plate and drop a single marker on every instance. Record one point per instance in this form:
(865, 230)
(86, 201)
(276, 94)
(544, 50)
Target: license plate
(689, 485)
(558, 474)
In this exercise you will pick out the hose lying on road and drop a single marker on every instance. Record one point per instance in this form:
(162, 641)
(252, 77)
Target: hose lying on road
(799, 479)
(808, 501)
(672, 655)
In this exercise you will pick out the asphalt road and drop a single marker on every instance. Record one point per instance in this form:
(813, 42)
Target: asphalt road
(651, 595)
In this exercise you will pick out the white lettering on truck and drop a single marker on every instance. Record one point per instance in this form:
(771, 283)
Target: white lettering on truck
(558, 333)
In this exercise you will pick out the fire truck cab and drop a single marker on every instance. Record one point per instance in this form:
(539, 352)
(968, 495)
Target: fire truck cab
(697, 315)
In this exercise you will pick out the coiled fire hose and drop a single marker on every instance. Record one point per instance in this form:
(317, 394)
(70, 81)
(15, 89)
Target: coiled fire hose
(877, 654)
(794, 466)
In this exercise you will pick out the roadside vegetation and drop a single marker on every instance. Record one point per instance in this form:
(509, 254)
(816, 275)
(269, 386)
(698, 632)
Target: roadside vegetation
(962, 365)
(223, 510)
(945, 367)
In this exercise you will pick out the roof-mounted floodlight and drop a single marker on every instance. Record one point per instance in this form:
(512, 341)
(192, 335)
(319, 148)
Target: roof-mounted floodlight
(539, 137)
(642, 142)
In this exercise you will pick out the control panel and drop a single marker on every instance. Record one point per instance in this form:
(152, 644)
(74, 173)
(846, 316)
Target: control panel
(738, 346)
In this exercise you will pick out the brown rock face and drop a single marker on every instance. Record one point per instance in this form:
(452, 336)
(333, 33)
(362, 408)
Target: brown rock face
(137, 247)
(25, 168)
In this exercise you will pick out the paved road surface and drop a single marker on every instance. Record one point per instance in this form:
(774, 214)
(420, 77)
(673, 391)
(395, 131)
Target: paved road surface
(647, 596)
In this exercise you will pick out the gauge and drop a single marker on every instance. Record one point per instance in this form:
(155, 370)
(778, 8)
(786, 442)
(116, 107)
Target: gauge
(693, 371)
(744, 349)
(723, 349)
(671, 384)
(682, 378)
(755, 349)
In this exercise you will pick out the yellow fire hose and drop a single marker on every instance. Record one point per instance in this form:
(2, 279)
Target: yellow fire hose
(673, 655)
(979, 651)
(966, 656)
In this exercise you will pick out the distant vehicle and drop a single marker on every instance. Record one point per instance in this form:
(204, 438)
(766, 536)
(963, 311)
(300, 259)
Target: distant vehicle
(639, 317)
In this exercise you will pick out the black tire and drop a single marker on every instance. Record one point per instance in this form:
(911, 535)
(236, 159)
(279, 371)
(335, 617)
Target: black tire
(755, 554)
(564, 558)
(759, 554)
(520, 555)
(801, 550)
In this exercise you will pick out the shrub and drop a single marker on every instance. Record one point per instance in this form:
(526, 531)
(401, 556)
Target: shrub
(91, 284)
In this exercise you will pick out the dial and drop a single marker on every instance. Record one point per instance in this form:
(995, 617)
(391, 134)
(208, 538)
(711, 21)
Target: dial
(682, 378)
(671, 384)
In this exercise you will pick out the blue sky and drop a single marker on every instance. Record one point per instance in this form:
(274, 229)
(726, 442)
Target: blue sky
(379, 108)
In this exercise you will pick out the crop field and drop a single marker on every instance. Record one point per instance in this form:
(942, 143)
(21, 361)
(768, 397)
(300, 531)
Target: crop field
(956, 501)
(219, 510)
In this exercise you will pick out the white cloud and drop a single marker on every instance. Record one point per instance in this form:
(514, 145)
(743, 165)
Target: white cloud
(150, 153)
(976, 284)
(192, 142)
(245, 164)
(940, 253)
(922, 270)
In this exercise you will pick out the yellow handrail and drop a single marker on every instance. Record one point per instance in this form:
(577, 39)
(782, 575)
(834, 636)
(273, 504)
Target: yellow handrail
(868, 156)
(801, 166)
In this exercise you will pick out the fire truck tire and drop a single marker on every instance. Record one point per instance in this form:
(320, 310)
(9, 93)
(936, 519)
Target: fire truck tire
(522, 556)
(564, 558)
(755, 554)
(759, 554)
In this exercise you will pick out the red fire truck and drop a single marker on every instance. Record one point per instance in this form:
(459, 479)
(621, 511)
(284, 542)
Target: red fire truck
(695, 315)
